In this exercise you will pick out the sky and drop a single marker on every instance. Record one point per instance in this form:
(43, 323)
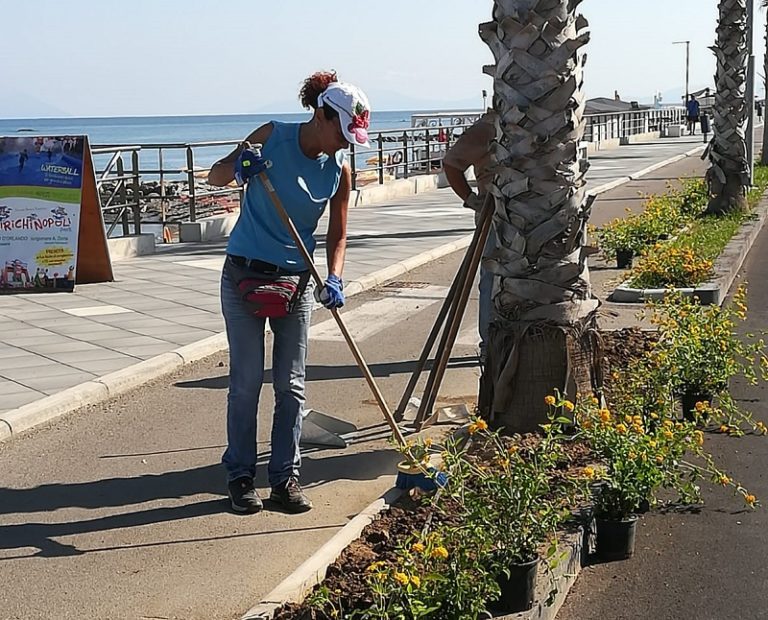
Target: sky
(161, 57)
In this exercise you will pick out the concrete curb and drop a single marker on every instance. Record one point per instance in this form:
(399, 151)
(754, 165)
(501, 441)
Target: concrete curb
(113, 384)
(298, 584)
(727, 267)
(98, 390)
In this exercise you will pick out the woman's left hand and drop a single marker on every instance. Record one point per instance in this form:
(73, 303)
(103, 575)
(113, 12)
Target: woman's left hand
(332, 294)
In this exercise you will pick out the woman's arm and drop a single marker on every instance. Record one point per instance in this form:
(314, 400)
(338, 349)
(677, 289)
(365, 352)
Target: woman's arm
(336, 239)
(223, 171)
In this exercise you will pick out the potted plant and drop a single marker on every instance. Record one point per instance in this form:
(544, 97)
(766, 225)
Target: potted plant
(637, 458)
(699, 351)
(619, 239)
(510, 492)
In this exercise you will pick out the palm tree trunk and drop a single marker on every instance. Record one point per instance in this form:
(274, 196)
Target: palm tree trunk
(728, 175)
(543, 330)
(764, 152)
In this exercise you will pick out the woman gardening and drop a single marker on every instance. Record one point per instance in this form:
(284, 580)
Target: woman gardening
(265, 276)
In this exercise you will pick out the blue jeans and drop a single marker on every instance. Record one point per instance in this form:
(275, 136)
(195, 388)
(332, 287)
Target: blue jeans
(245, 333)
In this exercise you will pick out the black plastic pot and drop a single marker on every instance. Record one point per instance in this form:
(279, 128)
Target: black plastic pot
(689, 400)
(518, 591)
(624, 259)
(616, 538)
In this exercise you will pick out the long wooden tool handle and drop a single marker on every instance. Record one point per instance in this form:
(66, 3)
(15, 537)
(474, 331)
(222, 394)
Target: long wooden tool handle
(439, 322)
(458, 309)
(344, 331)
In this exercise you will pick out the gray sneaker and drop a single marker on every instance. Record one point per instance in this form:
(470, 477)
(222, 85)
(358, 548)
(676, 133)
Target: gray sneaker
(290, 496)
(243, 495)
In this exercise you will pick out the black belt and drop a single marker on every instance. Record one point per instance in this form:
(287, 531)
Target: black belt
(256, 265)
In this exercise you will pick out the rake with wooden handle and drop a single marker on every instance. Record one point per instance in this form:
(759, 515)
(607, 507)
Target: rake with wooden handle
(456, 312)
(447, 308)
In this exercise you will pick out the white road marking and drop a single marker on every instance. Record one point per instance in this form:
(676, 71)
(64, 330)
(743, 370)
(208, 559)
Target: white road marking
(425, 212)
(212, 264)
(468, 335)
(96, 310)
(379, 315)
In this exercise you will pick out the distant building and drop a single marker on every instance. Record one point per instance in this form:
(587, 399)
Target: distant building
(604, 105)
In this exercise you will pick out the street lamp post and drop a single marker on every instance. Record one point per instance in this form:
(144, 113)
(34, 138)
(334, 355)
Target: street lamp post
(751, 89)
(687, 67)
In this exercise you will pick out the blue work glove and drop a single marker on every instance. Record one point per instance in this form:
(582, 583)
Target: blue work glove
(249, 163)
(332, 294)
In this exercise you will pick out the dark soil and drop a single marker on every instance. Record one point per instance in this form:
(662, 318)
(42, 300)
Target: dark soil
(345, 582)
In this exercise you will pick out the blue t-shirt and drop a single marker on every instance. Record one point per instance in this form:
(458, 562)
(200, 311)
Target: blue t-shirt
(304, 186)
(693, 108)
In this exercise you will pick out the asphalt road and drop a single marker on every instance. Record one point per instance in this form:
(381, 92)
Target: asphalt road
(709, 565)
(118, 511)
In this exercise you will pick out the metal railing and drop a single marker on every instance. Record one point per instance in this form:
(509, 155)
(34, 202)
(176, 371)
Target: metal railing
(134, 193)
(618, 125)
(162, 184)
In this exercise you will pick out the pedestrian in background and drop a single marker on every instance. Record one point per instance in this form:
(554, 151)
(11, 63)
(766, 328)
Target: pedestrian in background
(694, 112)
(265, 276)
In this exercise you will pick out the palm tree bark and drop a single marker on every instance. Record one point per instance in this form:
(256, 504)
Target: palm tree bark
(542, 334)
(729, 175)
(764, 153)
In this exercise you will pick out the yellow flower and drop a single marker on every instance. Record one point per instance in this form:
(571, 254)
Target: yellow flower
(428, 442)
(637, 428)
(761, 428)
(550, 400)
(375, 566)
(723, 428)
(632, 455)
(440, 552)
(678, 426)
(654, 416)
(605, 415)
(568, 405)
(418, 547)
(621, 429)
(416, 580)
(652, 443)
(699, 437)
(637, 419)
(628, 419)
(589, 472)
(668, 434)
(512, 450)
(478, 425)
(659, 459)
(724, 480)
(594, 400)
(667, 424)
(750, 499)
(402, 579)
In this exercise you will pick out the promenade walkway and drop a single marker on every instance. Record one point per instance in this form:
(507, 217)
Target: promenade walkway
(118, 512)
(168, 300)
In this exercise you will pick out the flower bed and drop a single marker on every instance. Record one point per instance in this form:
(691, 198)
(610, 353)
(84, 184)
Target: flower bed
(687, 260)
(509, 500)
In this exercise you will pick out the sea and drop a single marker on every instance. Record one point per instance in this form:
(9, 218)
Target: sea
(139, 130)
